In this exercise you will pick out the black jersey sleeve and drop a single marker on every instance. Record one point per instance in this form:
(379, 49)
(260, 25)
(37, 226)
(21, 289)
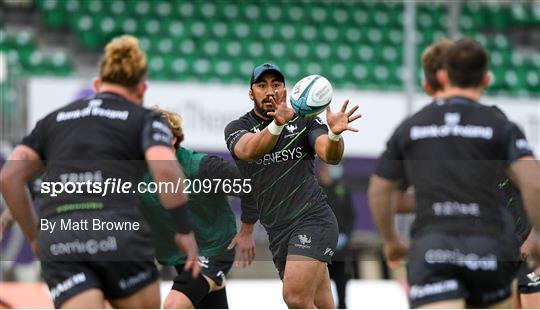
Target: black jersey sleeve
(36, 139)
(233, 132)
(316, 128)
(155, 132)
(515, 143)
(214, 167)
(390, 164)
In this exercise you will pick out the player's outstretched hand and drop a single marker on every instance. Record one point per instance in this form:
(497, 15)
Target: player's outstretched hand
(394, 252)
(338, 122)
(282, 113)
(186, 242)
(245, 252)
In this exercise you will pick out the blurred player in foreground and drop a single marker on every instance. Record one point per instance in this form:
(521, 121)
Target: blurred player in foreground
(276, 149)
(527, 292)
(453, 152)
(213, 223)
(93, 140)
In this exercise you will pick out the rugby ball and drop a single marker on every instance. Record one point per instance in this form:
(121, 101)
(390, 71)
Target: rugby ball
(311, 95)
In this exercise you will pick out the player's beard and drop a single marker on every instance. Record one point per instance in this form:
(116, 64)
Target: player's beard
(259, 107)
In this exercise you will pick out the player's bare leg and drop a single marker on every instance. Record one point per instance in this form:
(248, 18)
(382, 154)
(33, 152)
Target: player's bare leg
(530, 301)
(323, 295)
(92, 298)
(148, 297)
(301, 279)
(446, 304)
(177, 300)
(504, 304)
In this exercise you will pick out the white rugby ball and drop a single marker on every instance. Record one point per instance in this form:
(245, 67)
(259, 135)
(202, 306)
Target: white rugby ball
(311, 95)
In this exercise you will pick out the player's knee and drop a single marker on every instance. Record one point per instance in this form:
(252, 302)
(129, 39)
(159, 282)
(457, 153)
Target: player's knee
(177, 301)
(296, 299)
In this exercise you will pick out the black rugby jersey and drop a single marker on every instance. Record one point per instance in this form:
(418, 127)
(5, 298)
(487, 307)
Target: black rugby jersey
(284, 184)
(95, 139)
(454, 153)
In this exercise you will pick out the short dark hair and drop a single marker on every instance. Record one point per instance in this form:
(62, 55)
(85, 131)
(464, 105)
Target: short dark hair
(433, 60)
(466, 63)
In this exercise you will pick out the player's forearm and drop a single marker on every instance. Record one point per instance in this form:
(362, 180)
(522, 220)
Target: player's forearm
(379, 196)
(334, 151)
(257, 145)
(20, 206)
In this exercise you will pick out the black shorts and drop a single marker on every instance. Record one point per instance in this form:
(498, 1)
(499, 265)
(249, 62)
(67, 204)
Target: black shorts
(443, 266)
(313, 235)
(528, 281)
(213, 267)
(118, 262)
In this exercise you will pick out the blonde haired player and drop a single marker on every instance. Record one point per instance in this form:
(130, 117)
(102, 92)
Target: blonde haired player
(97, 139)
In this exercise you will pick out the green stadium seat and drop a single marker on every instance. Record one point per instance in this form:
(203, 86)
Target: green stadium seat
(219, 30)
(296, 14)
(54, 15)
(360, 17)
(179, 68)
(165, 46)
(365, 53)
(61, 64)
(117, 7)
(241, 30)
(292, 71)
(223, 69)
(391, 54)
(287, 31)
(359, 72)
(277, 50)
(255, 49)
(308, 32)
(533, 80)
(202, 68)
(230, 11)
(74, 6)
(323, 51)
(198, 30)
(130, 25)
(161, 9)
(142, 8)
(311, 67)
(185, 9)
(87, 34)
(233, 49)
(374, 36)
(211, 48)
(351, 34)
(93, 6)
(108, 28)
(186, 47)
(208, 10)
(145, 43)
(318, 15)
(251, 12)
(344, 52)
(175, 29)
(330, 33)
(340, 16)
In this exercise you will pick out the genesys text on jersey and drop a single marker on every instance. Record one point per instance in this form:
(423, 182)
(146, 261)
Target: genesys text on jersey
(118, 186)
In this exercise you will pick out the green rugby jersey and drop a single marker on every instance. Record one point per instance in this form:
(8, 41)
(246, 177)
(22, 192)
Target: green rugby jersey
(213, 221)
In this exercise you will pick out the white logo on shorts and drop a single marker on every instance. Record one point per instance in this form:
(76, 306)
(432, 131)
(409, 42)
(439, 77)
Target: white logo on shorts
(203, 261)
(534, 278)
(329, 251)
(304, 240)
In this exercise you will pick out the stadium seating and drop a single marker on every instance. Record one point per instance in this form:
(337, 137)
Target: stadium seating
(354, 43)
